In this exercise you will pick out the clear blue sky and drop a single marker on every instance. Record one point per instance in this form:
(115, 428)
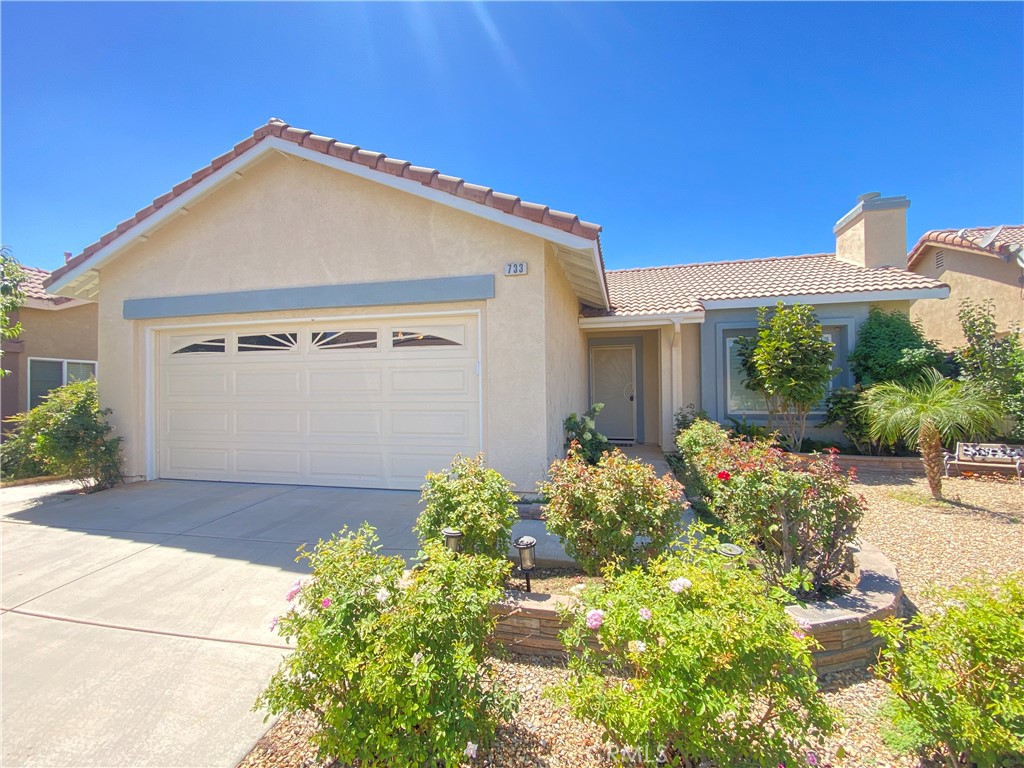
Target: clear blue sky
(689, 131)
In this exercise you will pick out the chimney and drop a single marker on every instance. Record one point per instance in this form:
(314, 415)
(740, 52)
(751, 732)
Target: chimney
(874, 232)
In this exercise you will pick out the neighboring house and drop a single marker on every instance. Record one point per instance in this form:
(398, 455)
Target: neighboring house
(305, 311)
(57, 345)
(977, 264)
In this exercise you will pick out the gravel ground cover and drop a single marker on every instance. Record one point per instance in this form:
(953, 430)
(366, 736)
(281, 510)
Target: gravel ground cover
(979, 529)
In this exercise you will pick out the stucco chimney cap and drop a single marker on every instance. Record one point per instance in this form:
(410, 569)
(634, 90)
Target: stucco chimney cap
(871, 201)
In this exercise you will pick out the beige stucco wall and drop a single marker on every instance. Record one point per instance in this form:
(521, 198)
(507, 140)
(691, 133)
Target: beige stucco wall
(566, 369)
(972, 276)
(290, 223)
(61, 334)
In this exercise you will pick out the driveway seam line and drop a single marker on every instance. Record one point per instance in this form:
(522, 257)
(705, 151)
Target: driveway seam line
(141, 630)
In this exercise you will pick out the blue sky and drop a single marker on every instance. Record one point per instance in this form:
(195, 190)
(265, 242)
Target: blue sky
(689, 131)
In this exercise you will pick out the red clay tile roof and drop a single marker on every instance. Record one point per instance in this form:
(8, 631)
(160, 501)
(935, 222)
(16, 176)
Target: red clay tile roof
(684, 288)
(1007, 241)
(428, 177)
(33, 288)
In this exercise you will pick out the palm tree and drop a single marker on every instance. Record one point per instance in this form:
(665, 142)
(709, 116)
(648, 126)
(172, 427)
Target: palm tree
(926, 413)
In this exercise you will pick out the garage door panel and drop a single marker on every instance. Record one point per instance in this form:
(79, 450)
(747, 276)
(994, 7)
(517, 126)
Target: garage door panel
(353, 467)
(347, 423)
(268, 383)
(189, 384)
(352, 381)
(189, 458)
(379, 417)
(198, 421)
(285, 462)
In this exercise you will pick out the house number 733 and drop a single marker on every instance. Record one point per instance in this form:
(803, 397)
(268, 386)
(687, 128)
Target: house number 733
(515, 268)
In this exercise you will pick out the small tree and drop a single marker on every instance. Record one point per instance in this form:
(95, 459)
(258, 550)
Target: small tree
(930, 411)
(891, 347)
(11, 296)
(993, 361)
(790, 363)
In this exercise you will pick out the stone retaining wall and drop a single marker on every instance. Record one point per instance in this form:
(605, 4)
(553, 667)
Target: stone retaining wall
(528, 623)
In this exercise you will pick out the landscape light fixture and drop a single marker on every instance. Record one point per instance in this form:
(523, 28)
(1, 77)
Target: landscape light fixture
(452, 539)
(526, 546)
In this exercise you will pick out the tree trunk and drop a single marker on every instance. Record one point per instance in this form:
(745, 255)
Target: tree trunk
(929, 443)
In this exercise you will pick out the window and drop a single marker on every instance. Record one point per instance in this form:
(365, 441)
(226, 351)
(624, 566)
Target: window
(267, 342)
(344, 339)
(417, 339)
(740, 401)
(207, 345)
(47, 375)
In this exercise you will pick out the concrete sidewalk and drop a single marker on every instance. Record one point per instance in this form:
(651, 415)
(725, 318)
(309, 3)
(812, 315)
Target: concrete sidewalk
(134, 623)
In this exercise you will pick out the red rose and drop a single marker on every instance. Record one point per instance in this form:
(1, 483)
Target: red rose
(723, 475)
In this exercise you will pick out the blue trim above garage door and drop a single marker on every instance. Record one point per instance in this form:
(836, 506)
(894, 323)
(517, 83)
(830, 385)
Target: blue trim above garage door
(397, 292)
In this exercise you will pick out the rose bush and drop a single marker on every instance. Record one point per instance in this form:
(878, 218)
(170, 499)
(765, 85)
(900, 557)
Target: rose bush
(393, 668)
(599, 511)
(694, 661)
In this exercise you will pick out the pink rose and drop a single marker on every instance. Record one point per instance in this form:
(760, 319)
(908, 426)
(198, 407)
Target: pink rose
(326, 602)
(595, 619)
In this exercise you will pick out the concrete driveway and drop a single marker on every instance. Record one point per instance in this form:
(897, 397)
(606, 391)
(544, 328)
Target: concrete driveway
(135, 622)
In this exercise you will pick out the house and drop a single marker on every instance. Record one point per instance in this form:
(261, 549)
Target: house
(977, 264)
(57, 345)
(306, 311)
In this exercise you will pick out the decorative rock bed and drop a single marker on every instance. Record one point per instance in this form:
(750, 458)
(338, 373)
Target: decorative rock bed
(529, 623)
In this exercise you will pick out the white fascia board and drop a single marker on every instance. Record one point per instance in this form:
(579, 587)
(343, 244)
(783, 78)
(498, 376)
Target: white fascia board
(273, 143)
(632, 321)
(34, 303)
(830, 298)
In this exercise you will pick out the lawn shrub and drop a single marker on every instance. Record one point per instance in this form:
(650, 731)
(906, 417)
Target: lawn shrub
(699, 445)
(471, 498)
(598, 511)
(395, 671)
(583, 431)
(694, 662)
(800, 513)
(67, 434)
(891, 347)
(958, 672)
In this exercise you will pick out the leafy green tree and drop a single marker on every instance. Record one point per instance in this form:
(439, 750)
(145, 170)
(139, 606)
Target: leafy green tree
(790, 363)
(928, 412)
(11, 296)
(891, 347)
(992, 360)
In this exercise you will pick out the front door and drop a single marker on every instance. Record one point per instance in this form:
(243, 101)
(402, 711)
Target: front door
(613, 382)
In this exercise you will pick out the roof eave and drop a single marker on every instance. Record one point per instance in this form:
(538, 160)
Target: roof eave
(632, 321)
(850, 297)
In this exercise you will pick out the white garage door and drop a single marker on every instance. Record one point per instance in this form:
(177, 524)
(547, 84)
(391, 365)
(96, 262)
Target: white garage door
(364, 404)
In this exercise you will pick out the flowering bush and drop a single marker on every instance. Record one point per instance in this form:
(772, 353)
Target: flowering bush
(693, 661)
(394, 669)
(598, 511)
(471, 498)
(958, 673)
(800, 515)
(699, 445)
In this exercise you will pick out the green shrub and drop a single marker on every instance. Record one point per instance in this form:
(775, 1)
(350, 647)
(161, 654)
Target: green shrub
(599, 511)
(800, 514)
(67, 434)
(685, 417)
(843, 409)
(474, 499)
(583, 431)
(17, 460)
(394, 671)
(695, 662)
(891, 347)
(959, 672)
(698, 446)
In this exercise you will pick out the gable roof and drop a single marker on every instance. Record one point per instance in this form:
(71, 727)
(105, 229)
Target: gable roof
(282, 136)
(1008, 241)
(816, 278)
